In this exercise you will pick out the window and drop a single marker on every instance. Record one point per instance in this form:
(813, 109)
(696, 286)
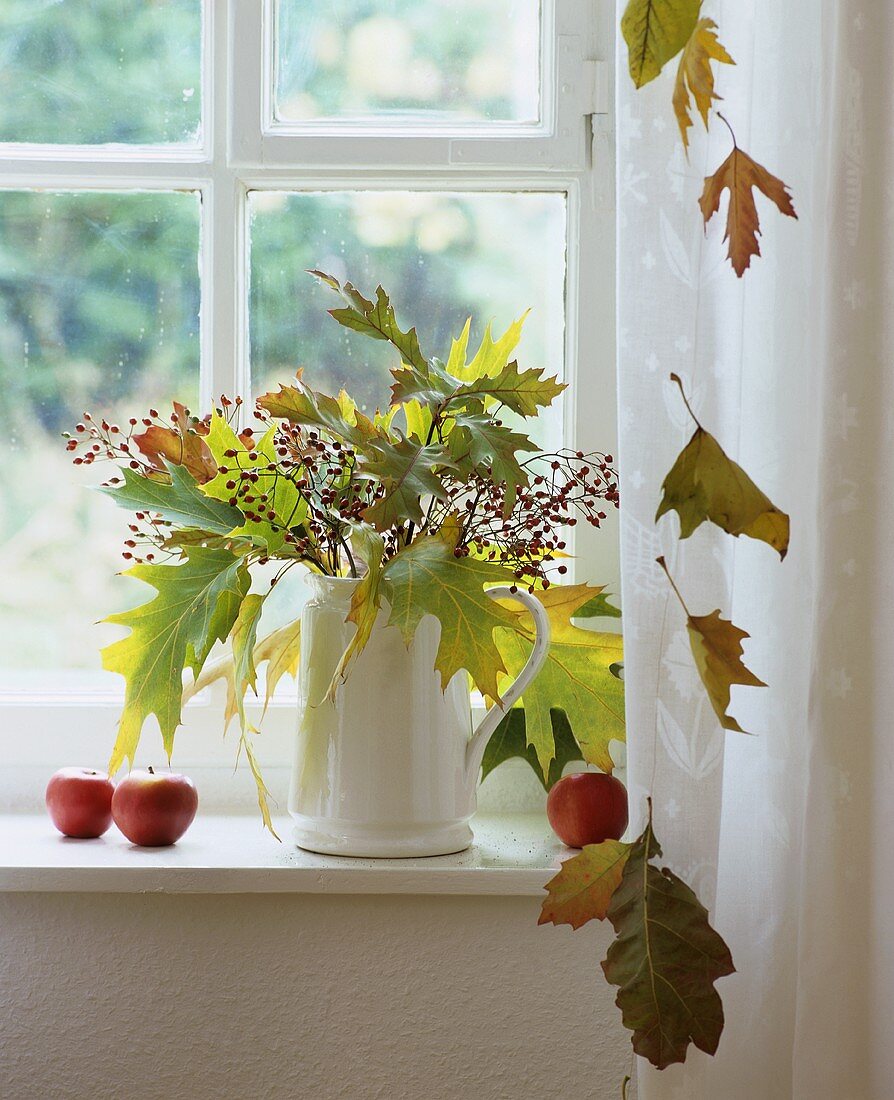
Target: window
(167, 173)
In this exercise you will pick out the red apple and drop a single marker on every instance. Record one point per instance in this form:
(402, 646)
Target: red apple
(154, 809)
(587, 808)
(79, 801)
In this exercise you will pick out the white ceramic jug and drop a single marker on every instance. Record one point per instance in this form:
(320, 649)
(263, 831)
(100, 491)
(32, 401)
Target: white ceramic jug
(390, 767)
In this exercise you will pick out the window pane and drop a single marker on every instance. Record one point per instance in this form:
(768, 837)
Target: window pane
(99, 311)
(96, 71)
(400, 61)
(443, 257)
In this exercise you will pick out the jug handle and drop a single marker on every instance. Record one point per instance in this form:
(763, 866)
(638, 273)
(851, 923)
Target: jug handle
(479, 739)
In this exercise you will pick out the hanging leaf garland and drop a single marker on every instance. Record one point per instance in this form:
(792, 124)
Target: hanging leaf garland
(716, 645)
(739, 175)
(695, 77)
(704, 484)
(655, 31)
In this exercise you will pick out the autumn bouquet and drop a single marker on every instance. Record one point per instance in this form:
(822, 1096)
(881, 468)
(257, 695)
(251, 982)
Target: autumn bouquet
(429, 502)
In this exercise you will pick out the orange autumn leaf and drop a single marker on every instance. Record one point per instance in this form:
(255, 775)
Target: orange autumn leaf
(181, 445)
(739, 174)
(583, 888)
(695, 77)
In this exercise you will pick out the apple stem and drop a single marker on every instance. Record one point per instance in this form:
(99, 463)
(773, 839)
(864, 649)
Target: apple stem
(151, 770)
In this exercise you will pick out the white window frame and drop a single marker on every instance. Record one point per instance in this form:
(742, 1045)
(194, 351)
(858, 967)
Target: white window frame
(242, 149)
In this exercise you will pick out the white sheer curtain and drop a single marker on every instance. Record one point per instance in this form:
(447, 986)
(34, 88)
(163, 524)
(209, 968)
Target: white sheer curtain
(787, 835)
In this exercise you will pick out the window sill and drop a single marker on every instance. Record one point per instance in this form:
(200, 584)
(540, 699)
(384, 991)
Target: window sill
(512, 855)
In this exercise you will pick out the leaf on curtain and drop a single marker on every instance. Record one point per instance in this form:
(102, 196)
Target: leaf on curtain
(665, 959)
(695, 77)
(717, 649)
(739, 174)
(705, 484)
(655, 31)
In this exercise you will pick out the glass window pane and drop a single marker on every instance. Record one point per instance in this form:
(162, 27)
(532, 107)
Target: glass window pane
(406, 61)
(99, 311)
(442, 256)
(84, 72)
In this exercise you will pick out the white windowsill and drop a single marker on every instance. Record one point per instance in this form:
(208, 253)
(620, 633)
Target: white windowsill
(512, 854)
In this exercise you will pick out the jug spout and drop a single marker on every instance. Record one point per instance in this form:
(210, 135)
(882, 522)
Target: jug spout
(479, 739)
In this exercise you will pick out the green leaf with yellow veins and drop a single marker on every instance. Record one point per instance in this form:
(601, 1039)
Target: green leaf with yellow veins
(524, 392)
(582, 890)
(665, 959)
(705, 484)
(196, 604)
(576, 678)
(717, 650)
(426, 579)
(656, 31)
(284, 500)
(510, 739)
(373, 319)
(419, 420)
(406, 471)
(492, 355)
(179, 500)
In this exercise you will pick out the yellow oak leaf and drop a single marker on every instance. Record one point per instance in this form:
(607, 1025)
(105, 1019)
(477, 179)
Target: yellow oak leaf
(655, 31)
(739, 174)
(705, 484)
(695, 77)
(716, 645)
(583, 888)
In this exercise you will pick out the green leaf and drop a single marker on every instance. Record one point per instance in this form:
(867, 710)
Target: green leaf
(299, 404)
(430, 384)
(510, 739)
(665, 959)
(178, 501)
(524, 392)
(243, 639)
(373, 319)
(196, 605)
(598, 608)
(494, 446)
(583, 889)
(406, 471)
(716, 645)
(369, 547)
(426, 579)
(288, 506)
(576, 678)
(655, 31)
(705, 484)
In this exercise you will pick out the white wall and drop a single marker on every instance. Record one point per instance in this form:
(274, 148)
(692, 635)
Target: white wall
(158, 997)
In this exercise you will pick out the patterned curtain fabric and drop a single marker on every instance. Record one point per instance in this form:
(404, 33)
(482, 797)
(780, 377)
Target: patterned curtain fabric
(788, 835)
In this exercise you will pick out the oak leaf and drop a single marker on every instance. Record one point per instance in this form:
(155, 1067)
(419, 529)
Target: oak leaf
(695, 77)
(182, 445)
(406, 470)
(665, 959)
(369, 547)
(655, 31)
(177, 501)
(373, 319)
(299, 404)
(705, 484)
(492, 354)
(576, 678)
(716, 645)
(427, 578)
(739, 174)
(525, 392)
(583, 888)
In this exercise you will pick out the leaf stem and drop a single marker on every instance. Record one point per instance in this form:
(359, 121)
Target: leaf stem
(663, 565)
(732, 132)
(676, 378)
